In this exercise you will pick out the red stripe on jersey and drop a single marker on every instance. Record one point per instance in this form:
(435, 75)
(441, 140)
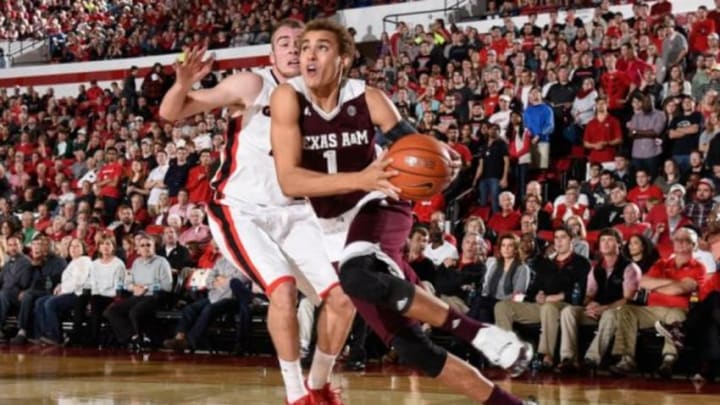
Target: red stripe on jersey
(229, 163)
(221, 215)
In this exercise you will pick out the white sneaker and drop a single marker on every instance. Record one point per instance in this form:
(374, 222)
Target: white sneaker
(503, 348)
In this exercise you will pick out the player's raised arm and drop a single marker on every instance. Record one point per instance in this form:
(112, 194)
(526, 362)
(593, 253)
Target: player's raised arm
(295, 181)
(180, 101)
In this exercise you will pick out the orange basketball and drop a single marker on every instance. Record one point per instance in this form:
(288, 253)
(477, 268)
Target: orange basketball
(424, 166)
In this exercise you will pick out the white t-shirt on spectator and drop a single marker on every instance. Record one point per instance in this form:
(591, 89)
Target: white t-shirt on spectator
(157, 173)
(203, 141)
(442, 252)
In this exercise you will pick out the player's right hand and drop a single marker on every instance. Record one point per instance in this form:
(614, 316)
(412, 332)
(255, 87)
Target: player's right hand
(376, 177)
(193, 67)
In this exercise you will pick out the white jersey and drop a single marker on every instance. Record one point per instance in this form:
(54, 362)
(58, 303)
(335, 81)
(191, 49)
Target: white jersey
(247, 170)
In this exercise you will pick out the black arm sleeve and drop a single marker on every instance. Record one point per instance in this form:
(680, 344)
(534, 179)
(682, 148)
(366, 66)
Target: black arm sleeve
(400, 129)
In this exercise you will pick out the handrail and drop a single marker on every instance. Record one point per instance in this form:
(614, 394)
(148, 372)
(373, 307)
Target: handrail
(457, 6)
(453, 208)
(24, 45)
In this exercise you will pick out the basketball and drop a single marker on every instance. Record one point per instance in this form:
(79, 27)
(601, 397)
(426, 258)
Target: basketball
(423, 164)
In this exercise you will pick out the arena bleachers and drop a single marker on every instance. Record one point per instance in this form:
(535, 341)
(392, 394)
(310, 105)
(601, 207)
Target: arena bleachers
(584, 125)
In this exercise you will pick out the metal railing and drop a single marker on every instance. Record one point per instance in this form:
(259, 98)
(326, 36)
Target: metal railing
(447, 8)
(13, 49)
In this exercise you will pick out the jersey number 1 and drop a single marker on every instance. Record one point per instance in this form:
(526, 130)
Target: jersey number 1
(331, 158)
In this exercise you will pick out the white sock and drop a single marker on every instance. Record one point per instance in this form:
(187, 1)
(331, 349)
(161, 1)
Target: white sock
(293, 379)
(321, 369)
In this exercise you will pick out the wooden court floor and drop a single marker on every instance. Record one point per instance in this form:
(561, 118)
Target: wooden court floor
(36, 375)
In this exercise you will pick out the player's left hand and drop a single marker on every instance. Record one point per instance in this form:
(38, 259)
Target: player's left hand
(455, 161)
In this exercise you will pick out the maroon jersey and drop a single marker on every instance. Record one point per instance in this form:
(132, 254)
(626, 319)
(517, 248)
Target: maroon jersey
(340, 141)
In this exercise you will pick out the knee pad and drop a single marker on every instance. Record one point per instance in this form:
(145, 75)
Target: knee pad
(366, 278)
(415, 349)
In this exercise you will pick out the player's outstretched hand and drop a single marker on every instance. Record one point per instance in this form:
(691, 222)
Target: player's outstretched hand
(455, 161)
(194, 66)
(376, 177)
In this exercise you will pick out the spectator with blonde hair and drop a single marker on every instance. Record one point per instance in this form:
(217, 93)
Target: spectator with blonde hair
(580, 244)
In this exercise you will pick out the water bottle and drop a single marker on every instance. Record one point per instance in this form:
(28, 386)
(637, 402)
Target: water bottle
(471, 295)
(576, 298)
(536, 365)
(48, 284)
(155, 287)
(193, 286)
(119, 285)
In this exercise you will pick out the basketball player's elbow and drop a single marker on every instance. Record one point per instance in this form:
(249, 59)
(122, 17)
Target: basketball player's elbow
(166, 113)
(290, 185)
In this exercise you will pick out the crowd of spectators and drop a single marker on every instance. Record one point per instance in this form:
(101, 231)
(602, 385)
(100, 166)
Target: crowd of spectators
(591, 149)
(110, 29)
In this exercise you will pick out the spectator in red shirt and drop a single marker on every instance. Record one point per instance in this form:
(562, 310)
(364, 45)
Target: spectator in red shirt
(602, 135)
(632, 225)
(659, 10)
(198, 181)
(665, 290)
(423, 209)
(108, 179)
(616, 85)
(453, 135)
(701, 28)
(644, 190)
(673, 220)
(569, 207)
(507, 219)
(702, 328)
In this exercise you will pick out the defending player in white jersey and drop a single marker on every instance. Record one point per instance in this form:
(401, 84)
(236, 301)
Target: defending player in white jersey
(277, 240)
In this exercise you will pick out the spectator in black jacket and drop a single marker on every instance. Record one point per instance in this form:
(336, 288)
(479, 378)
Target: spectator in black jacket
(177, 173)
(176, 254)
(14, 278)
(423, 267)
(455, 279)
(550, 292)
(46, 268)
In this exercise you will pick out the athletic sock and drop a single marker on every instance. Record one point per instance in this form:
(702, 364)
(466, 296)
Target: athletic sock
(293, 379)
(320, 370)
(499, 396)
(461, 325)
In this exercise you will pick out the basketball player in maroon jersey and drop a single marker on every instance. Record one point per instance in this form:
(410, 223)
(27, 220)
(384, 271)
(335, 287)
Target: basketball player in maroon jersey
(323, 130)
(249, 216)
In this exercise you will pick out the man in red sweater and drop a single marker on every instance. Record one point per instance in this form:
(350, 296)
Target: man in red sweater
(644, 190)
(198, 181)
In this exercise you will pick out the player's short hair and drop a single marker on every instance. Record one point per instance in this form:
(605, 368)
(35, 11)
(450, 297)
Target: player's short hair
(289, 23)
(345, 41)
